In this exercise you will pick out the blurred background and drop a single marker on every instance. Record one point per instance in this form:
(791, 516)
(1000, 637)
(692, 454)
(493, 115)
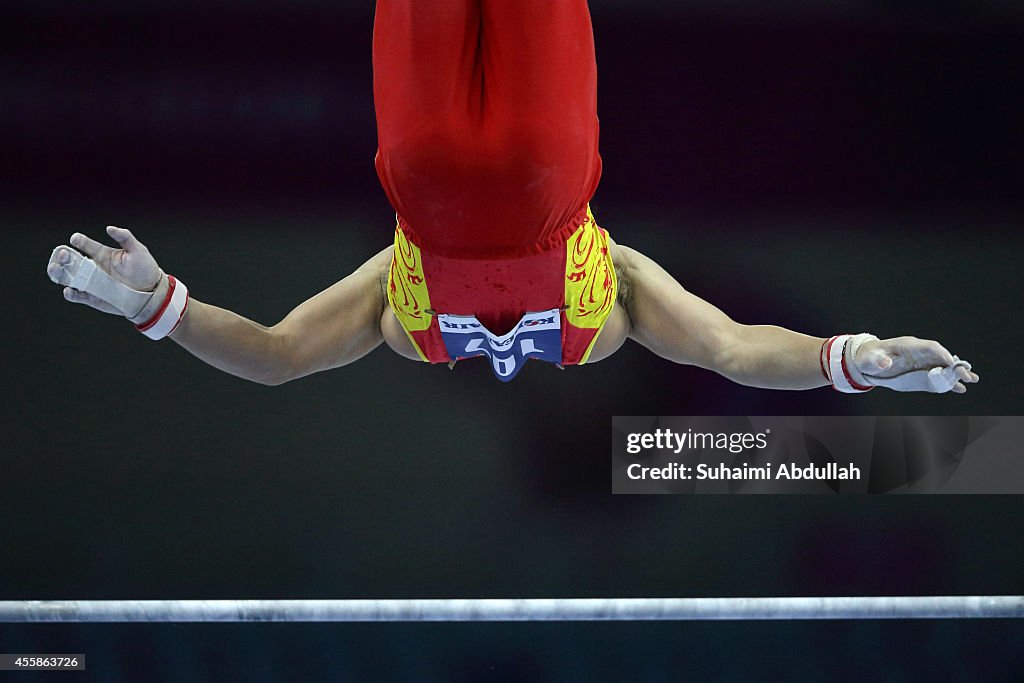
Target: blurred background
(843, 166)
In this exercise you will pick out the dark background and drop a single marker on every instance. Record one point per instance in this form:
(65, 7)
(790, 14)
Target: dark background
(841, 168)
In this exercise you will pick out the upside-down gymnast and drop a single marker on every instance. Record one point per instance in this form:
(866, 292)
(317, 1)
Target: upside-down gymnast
(488, 151)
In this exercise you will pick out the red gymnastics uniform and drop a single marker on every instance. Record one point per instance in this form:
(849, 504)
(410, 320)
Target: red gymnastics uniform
(488, 151)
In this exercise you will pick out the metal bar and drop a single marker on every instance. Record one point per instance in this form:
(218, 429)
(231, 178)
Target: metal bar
(526, 609)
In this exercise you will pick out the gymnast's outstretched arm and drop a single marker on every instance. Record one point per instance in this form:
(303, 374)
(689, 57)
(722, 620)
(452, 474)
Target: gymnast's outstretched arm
(335, 327)
(683, 328)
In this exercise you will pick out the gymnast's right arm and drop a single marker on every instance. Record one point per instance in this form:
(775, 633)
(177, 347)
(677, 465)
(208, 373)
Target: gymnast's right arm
(336, 327)
(333, 328)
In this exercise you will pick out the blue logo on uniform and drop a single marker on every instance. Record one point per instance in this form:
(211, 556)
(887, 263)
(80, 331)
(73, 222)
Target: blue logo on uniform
(536, 335)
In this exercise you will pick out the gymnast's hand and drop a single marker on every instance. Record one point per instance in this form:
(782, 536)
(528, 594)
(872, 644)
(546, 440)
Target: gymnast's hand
(903, 363)
(132, 266)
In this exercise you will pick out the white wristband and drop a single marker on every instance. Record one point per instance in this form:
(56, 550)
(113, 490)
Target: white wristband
(170, 313)
(844, 374)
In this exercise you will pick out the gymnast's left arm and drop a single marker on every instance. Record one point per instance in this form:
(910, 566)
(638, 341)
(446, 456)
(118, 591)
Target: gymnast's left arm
(681, 327)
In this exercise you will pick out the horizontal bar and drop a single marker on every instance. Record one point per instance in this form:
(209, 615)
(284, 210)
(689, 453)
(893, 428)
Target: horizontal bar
(525, 609)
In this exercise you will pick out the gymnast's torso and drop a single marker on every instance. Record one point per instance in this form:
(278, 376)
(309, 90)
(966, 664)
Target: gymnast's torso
(488, 151)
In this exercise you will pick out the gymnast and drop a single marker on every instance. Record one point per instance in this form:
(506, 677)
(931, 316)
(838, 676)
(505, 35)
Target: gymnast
(488, 151)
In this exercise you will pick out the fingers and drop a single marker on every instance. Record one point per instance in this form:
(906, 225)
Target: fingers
(78, 297)
(966, 376)
(123, 236)
(89, 246)
(55, 268)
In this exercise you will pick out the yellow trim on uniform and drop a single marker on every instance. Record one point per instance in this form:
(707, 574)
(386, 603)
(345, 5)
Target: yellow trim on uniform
(590, 282)
(407, 289)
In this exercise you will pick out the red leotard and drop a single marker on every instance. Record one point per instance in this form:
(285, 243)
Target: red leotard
(488, 145)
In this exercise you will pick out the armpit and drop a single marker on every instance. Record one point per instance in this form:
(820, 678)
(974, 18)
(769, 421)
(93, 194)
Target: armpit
(625, 294)
(620, 260)
(383, 281)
